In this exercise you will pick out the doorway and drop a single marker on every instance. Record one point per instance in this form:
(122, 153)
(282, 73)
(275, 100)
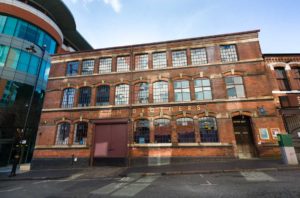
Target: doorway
(244, 136)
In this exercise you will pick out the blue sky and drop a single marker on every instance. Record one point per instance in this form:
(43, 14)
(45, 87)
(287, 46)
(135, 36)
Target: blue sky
(108, 23)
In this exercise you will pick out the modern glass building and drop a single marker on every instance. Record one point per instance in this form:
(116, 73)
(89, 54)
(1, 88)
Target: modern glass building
(26, 27)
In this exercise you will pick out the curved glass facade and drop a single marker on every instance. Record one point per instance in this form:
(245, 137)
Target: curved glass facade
(18, 73)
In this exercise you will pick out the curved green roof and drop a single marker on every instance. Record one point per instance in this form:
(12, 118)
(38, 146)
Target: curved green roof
(63, 17)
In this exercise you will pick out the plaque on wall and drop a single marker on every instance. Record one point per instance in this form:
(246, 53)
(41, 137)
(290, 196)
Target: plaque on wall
(264, 133)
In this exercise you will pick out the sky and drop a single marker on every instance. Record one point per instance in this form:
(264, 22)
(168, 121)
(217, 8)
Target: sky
(109, 23)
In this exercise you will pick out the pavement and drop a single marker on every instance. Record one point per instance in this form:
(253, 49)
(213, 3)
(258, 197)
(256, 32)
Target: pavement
(204, 167)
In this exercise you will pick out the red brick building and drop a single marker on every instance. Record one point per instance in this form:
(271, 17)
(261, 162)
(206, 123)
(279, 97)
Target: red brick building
(158, 103)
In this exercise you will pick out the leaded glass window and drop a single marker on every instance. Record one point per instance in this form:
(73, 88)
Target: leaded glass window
(87, 67)
(182, 91)
(208, 129)
(202, 89)
(185, 130)
(235, 87)
(68, 98)
(142, 132)
(179, 58)
(122, 94)
(160, 92)
(159, 60)
(228, 53)
(162, 130)
(84, 96)
(123, 63)
(105, 65)
(141, 91)
(81, 130)
(72, 68)
(282, 79)
(198, 56)
(103, 92)
(296, 71)
(62, 136)
(141, 62)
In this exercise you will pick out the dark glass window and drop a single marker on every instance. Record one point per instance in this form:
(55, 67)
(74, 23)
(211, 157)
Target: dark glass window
(23, 61)
(282, 79)
(84, 96)
(162, 130)
(235, 87)
(296, 71)
(63, 131)
(13, 57)
(81, 130)
(182, 91)
(87, 67)
(198, 56)
(202, 89)
(2, 22)
(179, 58)
(122, 94)
(141, 93)
(208, 129)
(72, 68)
(185, 130)
(228, 53)
(105, 65)
(33, 65)
(68, 98)
(142, 132)
(10, 26)
(103, 92)
(159, 60)
(141, 62)
(3, 54)
(123, 63)
(160, 92)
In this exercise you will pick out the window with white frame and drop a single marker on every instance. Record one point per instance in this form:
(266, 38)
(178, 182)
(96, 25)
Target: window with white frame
(122, 94)
(80, 136)
(123, 63)
(105, 65)
(141, 62)
(160, 92)
(62, 136)
(179, 58)
(198, 56)
(159, 60)
(68, 98)
(182, 91)
(234, 87)
(228, 53)
(202, 89)
(87, 67)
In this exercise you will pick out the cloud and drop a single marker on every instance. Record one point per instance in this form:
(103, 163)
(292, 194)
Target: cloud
(115, 4)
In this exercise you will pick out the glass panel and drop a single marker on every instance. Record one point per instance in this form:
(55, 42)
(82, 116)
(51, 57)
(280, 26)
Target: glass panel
(185, 130)
(72, 68)
(240, 91)
(160, 92)
(105, 65)
(10, 26)
(208, 129)
(68, 98)
(159, 60)
(142, 131)
(2, 22)
(81, 130)
(21, 29)
(87, 67)
(141, 93)
(23, 61)
(103, 95)
(122, 94)
(63, 131)
(141, 62)
(31, 33)
(123, 64)
(182, 91)
(228, 53)
(3, 54)
(162, 130)
(13, 58)
(179, 58)
(198, 56)
(84, 96)
(33, 65)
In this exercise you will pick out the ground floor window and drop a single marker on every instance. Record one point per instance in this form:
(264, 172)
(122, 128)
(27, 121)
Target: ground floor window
(142, 132)
(63, 131)
(185, 130)
(208, 129)
(80, 136)
(162, 130)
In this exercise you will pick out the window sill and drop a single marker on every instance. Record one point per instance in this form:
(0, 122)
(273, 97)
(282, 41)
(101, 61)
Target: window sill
(61, 146)
(158, 145)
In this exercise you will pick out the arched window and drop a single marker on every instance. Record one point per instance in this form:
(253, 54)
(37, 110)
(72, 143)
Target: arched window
(122, 94)
(296, 71)
(68, 98)
(162, 130)
(160, 92)
(84, 96)
(80, 135)
(142, 132)
(208, 129)
(235, 87)
(141, 91)
(185, 130)
(103, 95)
(182, 90)
(282, 79)
(202, 89)
(62, 136)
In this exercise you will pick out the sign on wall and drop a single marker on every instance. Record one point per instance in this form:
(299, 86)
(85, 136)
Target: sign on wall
(264, 133)
(274, 132)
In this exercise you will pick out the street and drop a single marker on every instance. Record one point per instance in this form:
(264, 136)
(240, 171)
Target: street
(237, 184)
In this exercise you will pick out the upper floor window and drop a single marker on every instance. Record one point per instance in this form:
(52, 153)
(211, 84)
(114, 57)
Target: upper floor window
(162, 130)
(87, 67)
(228, 53)
(159, 60)
(179, 58)
(141, 62)
(208, 129)
(84, 96)
(105, 65)
(80, 136)
(160, 92)
(62, 136)
(141, 91)
(123, 63)
(72, 68)
(202, 89)
(198, 56)
(296, 71)
(122, 94)
(68, 98)
(103, 95)
(185, 130)
(142, 132)
(235, 87)
(182, 90)
(282, 79)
